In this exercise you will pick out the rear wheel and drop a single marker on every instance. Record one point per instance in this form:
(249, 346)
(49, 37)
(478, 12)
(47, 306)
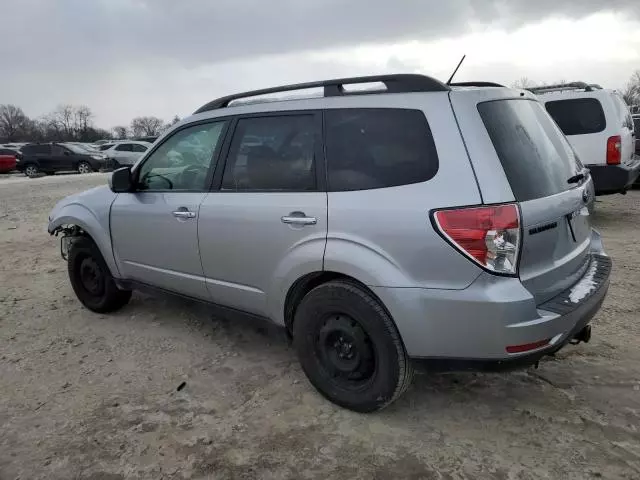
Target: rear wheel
(84, 167)
(31, 171)
(349, 347)
(91, 279)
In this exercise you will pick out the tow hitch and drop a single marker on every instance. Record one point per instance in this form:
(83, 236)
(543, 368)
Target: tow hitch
(583, 335)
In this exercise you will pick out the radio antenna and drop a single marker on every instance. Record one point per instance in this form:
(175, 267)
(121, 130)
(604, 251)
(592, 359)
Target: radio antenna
(456, 70)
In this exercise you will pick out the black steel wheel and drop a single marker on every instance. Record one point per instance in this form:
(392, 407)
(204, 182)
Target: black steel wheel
(350, 348)
(91, 279)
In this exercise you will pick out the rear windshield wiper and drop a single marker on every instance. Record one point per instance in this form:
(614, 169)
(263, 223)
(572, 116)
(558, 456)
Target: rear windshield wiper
(576, 178)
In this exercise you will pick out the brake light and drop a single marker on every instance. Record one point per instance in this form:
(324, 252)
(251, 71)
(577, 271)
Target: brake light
(490, 236)
(614, 150)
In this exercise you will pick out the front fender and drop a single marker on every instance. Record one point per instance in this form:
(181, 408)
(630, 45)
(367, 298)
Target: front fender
(80, 215)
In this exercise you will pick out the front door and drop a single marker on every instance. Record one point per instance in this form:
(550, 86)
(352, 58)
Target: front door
(155, 228)
(268, 221)
(61, 158)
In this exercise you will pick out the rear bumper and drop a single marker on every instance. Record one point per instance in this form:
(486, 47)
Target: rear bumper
(610, 179)
(471, 328)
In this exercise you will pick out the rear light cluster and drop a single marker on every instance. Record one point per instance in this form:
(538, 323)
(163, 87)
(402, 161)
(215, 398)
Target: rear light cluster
(490, 235)
(614, 150)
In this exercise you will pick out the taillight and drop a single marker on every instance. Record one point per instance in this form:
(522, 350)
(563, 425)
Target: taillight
(614, 150)
(489, 235)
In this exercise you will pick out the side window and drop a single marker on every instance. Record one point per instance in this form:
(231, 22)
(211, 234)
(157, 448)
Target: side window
(273, 153)
(136, 147)
(124, 147)
(57, 150)
(39, 150)
(378, 148)
(106, 146)
(183, 161)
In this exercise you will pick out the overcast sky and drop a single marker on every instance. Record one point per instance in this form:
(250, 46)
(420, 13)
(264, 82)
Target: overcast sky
(125, 58)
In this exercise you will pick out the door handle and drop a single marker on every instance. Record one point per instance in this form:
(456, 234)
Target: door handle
(299, 220)
(184, 214)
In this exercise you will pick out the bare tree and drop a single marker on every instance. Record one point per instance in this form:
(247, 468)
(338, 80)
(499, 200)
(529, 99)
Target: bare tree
(631, 92)
(120, 132)
(524, 82)
(146, 126)
(13, 123)
(82, 121)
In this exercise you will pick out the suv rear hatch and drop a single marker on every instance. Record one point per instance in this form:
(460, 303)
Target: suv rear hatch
(545, 178)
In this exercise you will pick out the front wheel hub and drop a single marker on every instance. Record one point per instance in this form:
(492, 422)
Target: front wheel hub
(92, 276)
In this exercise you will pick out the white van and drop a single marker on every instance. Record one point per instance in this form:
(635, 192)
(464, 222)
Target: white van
(598, 124)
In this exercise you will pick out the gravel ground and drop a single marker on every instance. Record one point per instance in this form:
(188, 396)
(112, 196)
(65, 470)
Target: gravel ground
(95, 397)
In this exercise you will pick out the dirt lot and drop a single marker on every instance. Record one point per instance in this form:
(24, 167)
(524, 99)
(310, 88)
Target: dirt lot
(94, 396)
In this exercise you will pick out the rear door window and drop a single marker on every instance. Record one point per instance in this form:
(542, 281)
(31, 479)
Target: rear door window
(273, 153)
(578, 116)
(378, 148)
(537, 159)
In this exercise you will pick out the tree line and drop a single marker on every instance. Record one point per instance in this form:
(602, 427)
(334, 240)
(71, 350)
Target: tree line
(630, 93)
(71, 123)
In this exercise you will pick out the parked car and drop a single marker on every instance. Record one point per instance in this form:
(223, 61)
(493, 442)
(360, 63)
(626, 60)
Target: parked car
(148, 139)
(8, 160)
(49, 158)
(598, 124)
(636, 127)
(124, 153)
(420, 221)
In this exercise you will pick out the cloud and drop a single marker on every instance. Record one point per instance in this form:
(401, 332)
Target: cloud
(194, 32)
(161, 57)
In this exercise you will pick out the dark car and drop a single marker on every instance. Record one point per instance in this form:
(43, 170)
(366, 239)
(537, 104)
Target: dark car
(8, 159)
(50, 158)
(636, 126)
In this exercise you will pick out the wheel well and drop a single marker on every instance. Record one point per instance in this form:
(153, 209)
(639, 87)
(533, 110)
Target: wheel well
(304, 285)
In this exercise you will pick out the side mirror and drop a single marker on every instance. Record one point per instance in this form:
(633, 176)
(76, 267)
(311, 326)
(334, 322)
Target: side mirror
(67, 152)
(121, 181)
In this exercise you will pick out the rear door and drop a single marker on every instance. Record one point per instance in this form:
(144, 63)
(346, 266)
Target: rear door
(61, 158)
(268, 221)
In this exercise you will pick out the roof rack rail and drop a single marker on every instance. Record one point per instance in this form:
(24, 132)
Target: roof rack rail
(401, 83)
(587, 87)
(476, 84)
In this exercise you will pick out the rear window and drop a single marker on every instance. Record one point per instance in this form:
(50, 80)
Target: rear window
(535, 156)
(636, 124)
(579, 116)
(36, 149)
(378, 148)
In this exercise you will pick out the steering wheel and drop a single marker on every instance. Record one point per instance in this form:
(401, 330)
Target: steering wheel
(158, 175)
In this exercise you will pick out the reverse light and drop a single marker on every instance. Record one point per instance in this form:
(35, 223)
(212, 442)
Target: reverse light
(614, 150)
(490, 235)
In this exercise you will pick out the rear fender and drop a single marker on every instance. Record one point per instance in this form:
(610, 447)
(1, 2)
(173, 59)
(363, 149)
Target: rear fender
(81, 216)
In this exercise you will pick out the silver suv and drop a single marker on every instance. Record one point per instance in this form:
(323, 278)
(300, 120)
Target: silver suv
(412, 220)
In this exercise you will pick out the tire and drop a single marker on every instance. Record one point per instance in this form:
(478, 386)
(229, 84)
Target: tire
(349, 347)
(84, 167)
(91, 279)
(31, 170)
